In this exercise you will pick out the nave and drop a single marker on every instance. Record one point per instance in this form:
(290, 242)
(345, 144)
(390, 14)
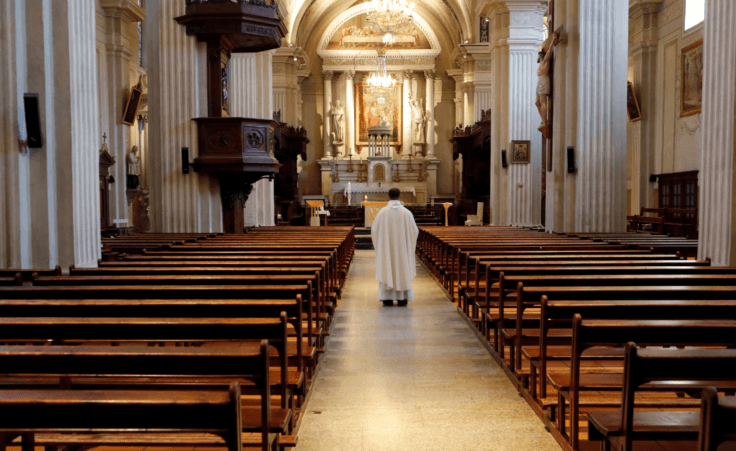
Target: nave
(411, 378)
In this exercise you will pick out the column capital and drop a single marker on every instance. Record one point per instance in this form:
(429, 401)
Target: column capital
(349, 74)
(128, 10)
(408, 74)
(429, 74)
(327, 75)
(640, 7)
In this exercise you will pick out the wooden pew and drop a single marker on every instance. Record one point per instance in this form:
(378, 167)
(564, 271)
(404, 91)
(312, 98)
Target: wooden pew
(609, 287)
(717, 417)
(612, 333)
(571, 268)
(557, 316)
(683, 369)
(185, 308)
(314, 322)
(129, 413)
(15, 281)
(27, 274)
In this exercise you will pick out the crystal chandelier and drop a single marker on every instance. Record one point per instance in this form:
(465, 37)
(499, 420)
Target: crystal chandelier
(380, 83)
(389, 18)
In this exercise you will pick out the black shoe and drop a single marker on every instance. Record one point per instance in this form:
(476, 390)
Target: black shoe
(388, 303)
(401, 303)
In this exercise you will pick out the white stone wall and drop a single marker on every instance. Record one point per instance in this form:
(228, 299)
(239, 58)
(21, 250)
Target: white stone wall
(663, 141)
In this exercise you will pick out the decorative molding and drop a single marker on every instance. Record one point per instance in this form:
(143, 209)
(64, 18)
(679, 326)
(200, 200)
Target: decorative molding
(357, 10)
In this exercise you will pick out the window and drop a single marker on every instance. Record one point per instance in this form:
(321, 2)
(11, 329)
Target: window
(694, 13)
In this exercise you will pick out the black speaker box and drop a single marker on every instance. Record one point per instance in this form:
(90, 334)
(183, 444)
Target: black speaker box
(185, 160)
(33, 120)
(571, 159)
(503, 159)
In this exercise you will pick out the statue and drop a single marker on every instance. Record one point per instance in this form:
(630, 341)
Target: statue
(338, 121)
(418, 119)
(133, 170)
(544, 85)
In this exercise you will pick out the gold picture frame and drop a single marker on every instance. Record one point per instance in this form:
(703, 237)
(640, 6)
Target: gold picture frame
(520, 152)
(368, 109)
(691, 83)
(632, 104)
(131, 107)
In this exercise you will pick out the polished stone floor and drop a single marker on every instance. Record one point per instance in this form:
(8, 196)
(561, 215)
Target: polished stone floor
(411, 378)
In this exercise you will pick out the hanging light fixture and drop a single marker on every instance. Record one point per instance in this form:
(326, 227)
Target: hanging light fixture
(390, 18)
(381, 83)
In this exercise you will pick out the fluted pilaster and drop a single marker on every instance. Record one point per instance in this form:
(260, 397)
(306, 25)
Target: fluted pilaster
(177, 94)
(326, 117)
(255, 100)
(85, 132)
(716, 203)
(350, 112)
(429, 76)
(601, 128)
(10, 230)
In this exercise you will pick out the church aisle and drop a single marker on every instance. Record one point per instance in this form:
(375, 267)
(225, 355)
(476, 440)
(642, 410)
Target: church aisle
(411, 378)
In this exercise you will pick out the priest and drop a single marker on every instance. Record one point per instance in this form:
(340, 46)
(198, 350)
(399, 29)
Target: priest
(394, 235)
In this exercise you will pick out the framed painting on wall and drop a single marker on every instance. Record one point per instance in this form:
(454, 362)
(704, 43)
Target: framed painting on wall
(632, 104)
(369, 111)
(691, 85)
(520, 152)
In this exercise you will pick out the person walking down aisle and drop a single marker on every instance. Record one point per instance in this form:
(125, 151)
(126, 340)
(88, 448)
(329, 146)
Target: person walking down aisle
(394, 235)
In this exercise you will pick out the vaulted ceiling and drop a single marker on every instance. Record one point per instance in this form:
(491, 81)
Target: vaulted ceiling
(452, 20)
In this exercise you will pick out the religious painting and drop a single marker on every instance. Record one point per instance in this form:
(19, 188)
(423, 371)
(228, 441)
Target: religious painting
(131, 108)
(520, 152)
(691, 95)
(369, 112)
(632, 104)
(356, 35)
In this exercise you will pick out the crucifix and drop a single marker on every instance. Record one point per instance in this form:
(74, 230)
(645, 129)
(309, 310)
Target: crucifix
(544, 84)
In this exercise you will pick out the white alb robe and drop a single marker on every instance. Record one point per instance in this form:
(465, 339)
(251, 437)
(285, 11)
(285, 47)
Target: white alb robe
(394, 234)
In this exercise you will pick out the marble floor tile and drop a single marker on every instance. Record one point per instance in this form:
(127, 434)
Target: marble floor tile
(411, 378)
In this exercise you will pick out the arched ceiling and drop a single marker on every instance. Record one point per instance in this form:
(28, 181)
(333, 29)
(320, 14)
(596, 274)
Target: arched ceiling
(308, 19)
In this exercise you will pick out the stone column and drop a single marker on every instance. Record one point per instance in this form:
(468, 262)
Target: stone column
(459, 108)
(254, 100)
(11, 62)
(468, 103)
(177, 93)
(407, 139)
(118, 16)
(326, 117)
(49, 196)
(84, 130)
(429, 99)
(716, 204)
(643, 15)
(499, 113)
(350, 112)
(601, 127)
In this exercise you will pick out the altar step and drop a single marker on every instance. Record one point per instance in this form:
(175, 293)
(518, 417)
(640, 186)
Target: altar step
(363, 238)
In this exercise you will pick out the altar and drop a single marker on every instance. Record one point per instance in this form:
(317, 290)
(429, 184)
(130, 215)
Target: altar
(356, 193)
(371, 210)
